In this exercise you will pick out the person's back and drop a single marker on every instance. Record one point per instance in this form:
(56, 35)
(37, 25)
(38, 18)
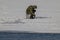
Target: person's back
(30, 11)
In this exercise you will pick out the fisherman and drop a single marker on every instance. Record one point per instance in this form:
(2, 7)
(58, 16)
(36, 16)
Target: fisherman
(31, 11)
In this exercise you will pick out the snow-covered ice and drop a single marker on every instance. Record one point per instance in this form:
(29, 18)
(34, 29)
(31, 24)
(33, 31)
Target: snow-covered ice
(32, 25)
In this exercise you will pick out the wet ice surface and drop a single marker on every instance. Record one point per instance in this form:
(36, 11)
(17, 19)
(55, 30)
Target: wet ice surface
(15, 35)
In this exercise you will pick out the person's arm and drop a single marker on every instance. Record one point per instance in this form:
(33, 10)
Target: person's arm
(32, 11)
